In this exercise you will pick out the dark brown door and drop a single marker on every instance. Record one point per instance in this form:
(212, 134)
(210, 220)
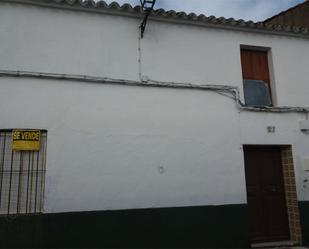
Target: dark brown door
(265, 194)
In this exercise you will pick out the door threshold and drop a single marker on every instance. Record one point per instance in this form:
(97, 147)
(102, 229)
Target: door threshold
(275, 244)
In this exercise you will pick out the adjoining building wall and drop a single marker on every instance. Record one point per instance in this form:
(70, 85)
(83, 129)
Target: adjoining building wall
(113, 147)
(296, 16)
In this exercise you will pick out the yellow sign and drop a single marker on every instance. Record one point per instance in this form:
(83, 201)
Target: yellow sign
(26, 139)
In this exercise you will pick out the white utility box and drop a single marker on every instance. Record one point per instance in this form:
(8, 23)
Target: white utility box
(306, 164)
(304, 125)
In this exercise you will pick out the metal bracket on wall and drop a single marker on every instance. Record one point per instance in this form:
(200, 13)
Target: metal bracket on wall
(147, 6)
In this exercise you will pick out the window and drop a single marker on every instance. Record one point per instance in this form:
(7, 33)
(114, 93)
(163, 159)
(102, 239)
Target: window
(256, 78)
(22, 176)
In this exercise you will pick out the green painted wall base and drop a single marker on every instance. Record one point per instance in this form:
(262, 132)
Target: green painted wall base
(304, 219)
(205, 226)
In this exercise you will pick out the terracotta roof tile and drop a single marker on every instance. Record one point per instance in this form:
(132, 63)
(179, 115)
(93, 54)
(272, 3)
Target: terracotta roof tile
(172, 15)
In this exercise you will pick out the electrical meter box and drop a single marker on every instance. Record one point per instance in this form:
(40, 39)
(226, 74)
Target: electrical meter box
(304, 125)
(306, 164)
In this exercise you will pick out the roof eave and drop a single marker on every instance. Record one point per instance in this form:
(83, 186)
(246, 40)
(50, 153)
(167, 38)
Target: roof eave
(171, 17)
(266, 31)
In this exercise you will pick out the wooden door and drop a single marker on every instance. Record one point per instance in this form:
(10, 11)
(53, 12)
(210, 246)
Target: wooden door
(265, 194)
(255, 65)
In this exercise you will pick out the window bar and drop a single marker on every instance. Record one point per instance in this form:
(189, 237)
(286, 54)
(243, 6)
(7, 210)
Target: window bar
(43, 176)
(36, 180)
(28, 176)
(17, 171)
(2, 167)
(21, 170)
(31, 181)
(10, 185)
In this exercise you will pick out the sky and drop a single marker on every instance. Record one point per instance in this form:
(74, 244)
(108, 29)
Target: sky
(255, 10)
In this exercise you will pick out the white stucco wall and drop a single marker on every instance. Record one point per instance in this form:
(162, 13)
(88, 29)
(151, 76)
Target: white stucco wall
(106, 142)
